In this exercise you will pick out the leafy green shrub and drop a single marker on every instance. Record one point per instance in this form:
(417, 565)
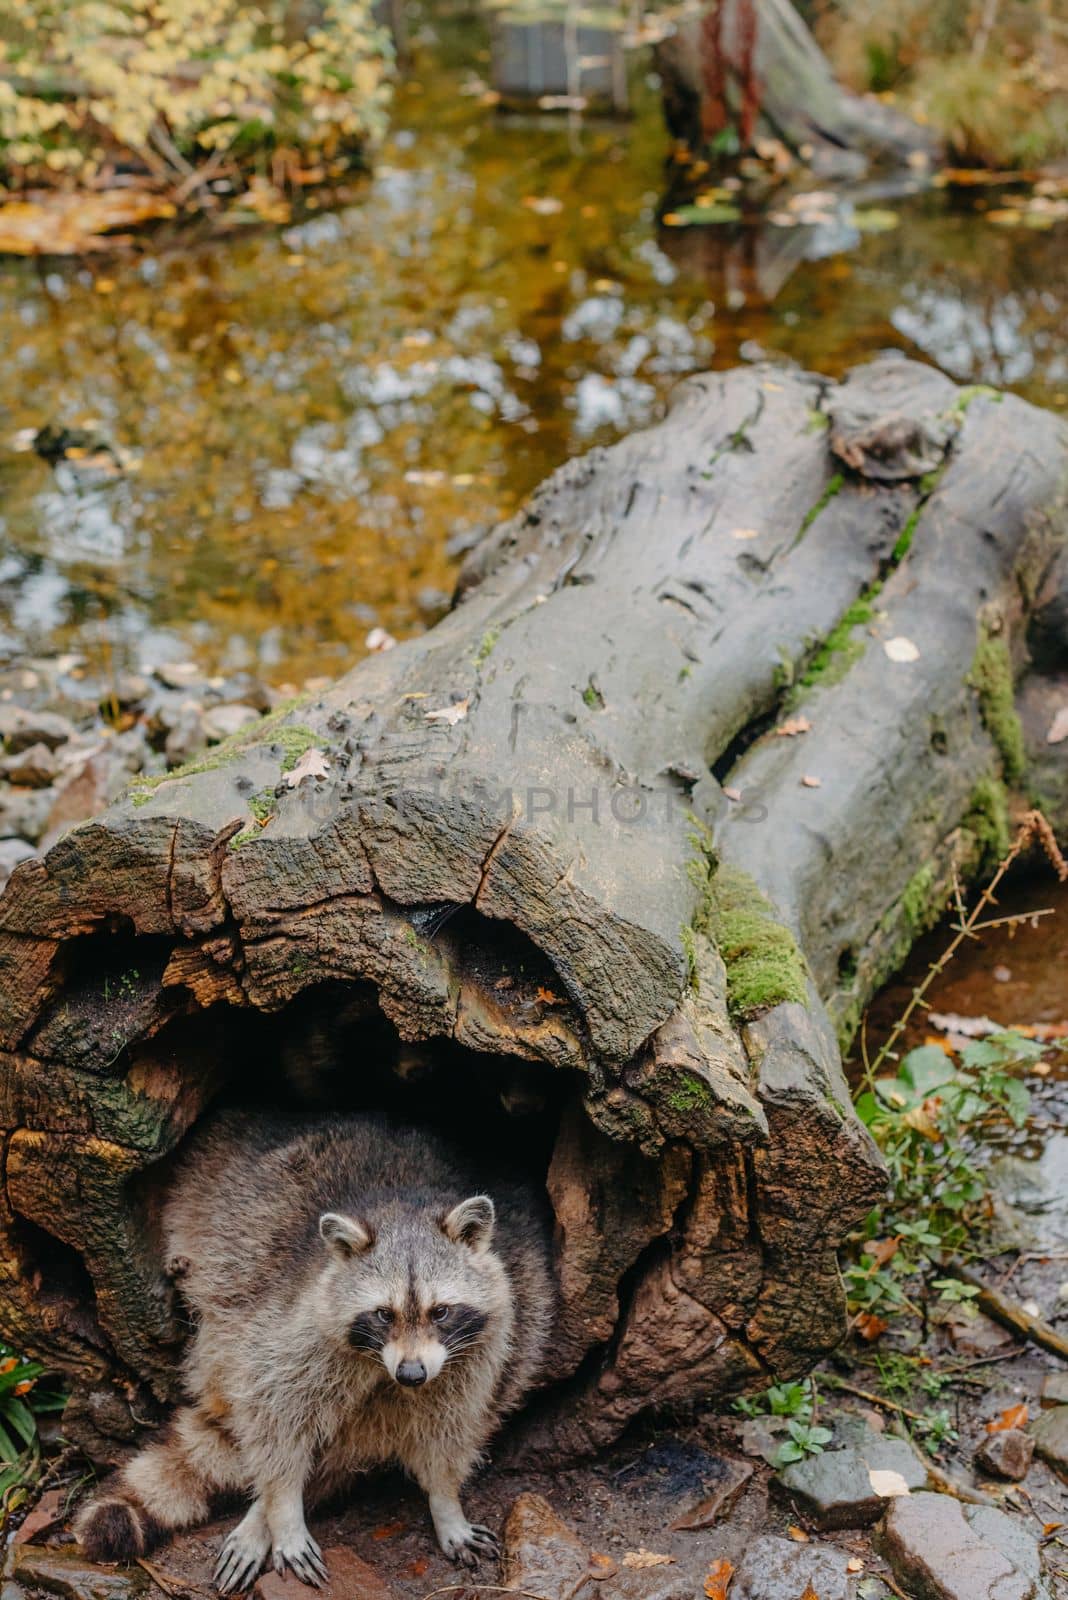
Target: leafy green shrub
(166, 85)
(20, 1405)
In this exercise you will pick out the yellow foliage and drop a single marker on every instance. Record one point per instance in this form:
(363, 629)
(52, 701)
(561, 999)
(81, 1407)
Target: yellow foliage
(168, 83)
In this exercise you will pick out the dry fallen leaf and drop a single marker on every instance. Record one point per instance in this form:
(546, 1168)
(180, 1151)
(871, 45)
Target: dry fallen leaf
(646, 1558)
(543, 205)
(388, 1530)
(810, 1593)
(546, 997)
(719, 1578)
(792, 727)
(1012, 1417)
(798, 1535)
(854, 1564)
(450, 715)
(887, 1483)
(809, 782)
(901, 649)
(1050, 1527)
(732, 794)
(882, 1250)
(745, 533)
(869, 1326)
(1058, 728)
(602, 1566)
(312, 764)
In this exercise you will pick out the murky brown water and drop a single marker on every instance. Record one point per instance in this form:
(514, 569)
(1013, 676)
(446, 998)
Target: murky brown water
(316, 420)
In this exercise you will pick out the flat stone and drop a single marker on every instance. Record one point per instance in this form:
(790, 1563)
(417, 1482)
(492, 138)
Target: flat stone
(20, 728)
(1055, 1387)
(762, 1436)
(936, 1555)
(779, 1569)
(1049, 1430)
(717, 1503)
(541, 1554)
(835, 1489)
(67, 1573)
(223, 721)
(179, 674)
(1006, 1454)
(32, 767)
(12, 851)
(1010, 1535)
(350, 1579)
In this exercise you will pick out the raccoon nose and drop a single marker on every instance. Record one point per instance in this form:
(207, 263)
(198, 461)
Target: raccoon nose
(411, 1374)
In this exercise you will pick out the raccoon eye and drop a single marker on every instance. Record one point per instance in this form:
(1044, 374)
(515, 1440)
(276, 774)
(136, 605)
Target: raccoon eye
(384, 1314)
(440, 1313)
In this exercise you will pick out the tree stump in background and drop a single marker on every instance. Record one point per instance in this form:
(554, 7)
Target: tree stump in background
(638, 826)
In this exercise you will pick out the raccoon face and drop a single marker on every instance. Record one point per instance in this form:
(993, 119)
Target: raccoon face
(416, 1291)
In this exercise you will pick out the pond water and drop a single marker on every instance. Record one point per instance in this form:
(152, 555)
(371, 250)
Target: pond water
(303, 427)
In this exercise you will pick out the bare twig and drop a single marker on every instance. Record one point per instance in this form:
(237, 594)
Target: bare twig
(1033, 827)
(1011, 1314)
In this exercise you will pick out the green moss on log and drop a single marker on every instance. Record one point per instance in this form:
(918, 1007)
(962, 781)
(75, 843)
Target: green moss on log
(991, 677)
(293, 738)
(764, 966)
(987, 820)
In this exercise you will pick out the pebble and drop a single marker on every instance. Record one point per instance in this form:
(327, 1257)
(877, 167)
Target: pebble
(778, 1569)
(20, 728)
(1006, 1454)
(12, 851)
(31, 767)
(836, 1490)
(223, 721)
(934, 1552)
(24, 812)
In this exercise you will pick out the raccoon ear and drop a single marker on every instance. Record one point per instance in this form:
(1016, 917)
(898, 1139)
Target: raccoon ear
(349, 1236)
(471, 1222)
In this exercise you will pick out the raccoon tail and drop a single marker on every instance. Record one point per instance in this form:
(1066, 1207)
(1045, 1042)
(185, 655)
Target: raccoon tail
(166, 1487)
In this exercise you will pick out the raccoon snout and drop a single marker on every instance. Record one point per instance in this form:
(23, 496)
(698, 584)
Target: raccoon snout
(411, 1374)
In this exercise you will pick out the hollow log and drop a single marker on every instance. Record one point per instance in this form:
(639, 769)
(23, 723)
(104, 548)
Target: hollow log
(596, 874)
(754, 65)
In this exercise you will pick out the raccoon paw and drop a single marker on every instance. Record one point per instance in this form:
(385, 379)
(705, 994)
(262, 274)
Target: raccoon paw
(467, 1547)
(303, 1557)
(242, 1556)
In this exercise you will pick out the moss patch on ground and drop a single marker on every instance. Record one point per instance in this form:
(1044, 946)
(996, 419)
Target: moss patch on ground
(991, 677)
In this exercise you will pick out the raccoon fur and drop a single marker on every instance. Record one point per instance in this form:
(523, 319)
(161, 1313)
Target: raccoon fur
(356, 1300)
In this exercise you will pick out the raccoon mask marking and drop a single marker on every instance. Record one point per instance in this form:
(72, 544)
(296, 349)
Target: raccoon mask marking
(432, 1301)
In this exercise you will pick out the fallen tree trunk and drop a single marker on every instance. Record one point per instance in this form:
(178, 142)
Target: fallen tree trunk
(532, 839)
(753, 65)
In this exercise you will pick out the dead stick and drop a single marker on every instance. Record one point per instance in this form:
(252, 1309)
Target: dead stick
(1011, 1314)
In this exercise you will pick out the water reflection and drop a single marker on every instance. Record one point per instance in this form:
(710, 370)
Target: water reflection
(294, 435)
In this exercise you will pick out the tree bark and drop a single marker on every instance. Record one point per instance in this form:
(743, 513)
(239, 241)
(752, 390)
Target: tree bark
(758, 56)
(541, 836)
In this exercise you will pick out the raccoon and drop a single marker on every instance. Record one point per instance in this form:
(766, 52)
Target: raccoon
(356, 1300)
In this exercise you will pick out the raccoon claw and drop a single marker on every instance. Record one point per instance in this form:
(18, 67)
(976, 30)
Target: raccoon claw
(238, 1565)
(304, 1560)
(469, 1549)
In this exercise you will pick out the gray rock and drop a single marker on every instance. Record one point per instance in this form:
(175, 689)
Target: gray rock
(1050, 1433)
(936, 1555)
(223, 721)
(131, 688)
(12, 851)
(835, 1489)
(187, 736)
(20, 728)
(24, 812)
(179, 674)
(763, 1436)
(1055, 1387)
(1010, 1535)
(31, 767)
(779, 1569)
(1006, 1454)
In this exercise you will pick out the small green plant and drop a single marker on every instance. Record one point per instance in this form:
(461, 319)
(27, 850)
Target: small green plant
(796, 1403)
(806, 1439)
(21, 1402)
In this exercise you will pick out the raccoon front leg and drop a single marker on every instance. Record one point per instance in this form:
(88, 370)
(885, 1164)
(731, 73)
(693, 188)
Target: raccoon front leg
(464, 1542)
